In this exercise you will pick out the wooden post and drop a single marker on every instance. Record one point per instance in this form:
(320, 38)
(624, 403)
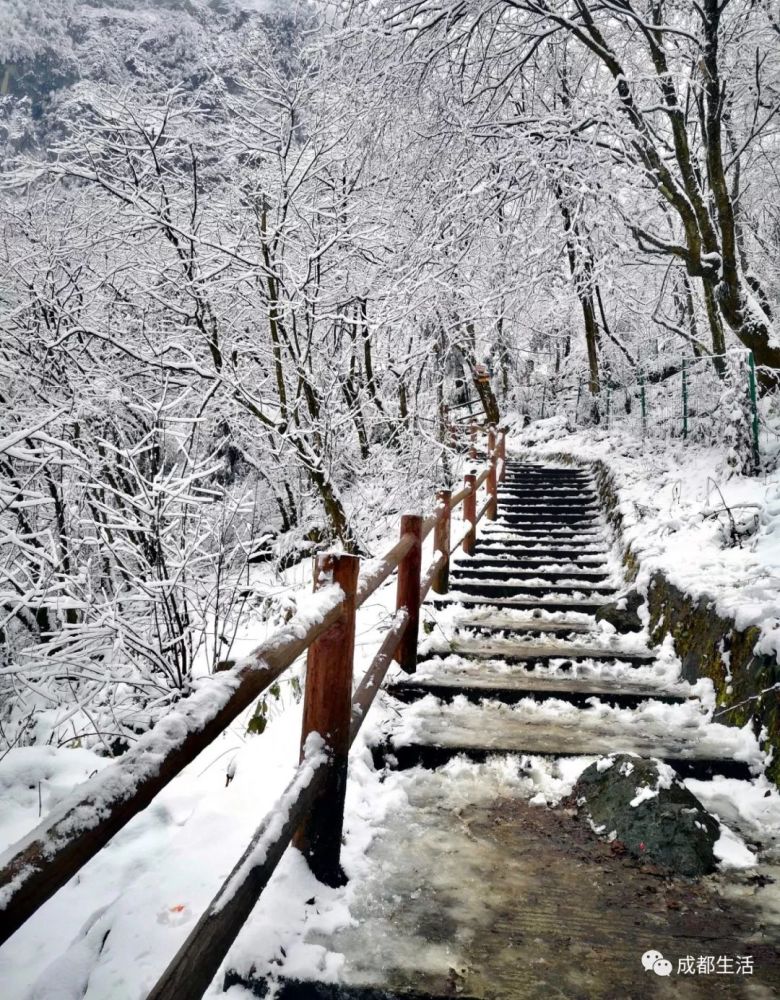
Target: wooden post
(408, 592)
(441, 541)
(502, 454)
(492, 484)
(327, 710)
(470, 513)
(473, 442)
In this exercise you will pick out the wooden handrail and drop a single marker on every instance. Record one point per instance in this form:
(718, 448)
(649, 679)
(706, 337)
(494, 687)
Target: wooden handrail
(34, 868)
(459, 497)
(367, 689)
(430, 574)
(383, 568)
(199, 957)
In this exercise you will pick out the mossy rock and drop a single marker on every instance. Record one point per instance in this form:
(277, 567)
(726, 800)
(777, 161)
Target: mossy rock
(647, 808)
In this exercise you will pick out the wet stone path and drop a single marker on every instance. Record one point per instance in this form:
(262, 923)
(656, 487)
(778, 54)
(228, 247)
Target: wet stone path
(475, 892)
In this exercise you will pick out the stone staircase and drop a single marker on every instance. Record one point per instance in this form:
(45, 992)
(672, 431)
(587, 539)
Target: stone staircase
(472, 890)
(518, 625)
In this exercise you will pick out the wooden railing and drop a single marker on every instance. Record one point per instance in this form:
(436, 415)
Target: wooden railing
(311, 810)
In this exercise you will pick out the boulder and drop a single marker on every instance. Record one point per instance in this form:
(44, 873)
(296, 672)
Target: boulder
(622, 613)
(644, 805)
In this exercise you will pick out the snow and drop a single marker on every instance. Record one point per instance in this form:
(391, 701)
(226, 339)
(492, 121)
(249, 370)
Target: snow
(732, 852)
(314, 758)
(666, 777)
(175, 853)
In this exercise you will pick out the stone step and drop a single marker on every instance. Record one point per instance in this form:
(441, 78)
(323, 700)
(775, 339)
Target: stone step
(575, 504)
(432, 755)
(547, 470)
(518, 529)
(505, 550)
(546, 505)
(511, 689)
(548, 512)
(434, 733)
(576, 487)
(549, 479)
(497, 554)
(584, 607)
(496, 623)
(577, 526)
(488, 589)
(555, 486)
(538, 573)
(514, 652)
(516, 534)
(540, 515)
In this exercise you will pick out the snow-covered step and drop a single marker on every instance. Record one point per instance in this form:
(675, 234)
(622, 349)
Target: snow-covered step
(497, 555)
(447, 685)
(529, 472)
(539, 484)
(551, 536)
(494, 622)
(515, 651)
(541, 520)
(544, 591)
(546, 504)
(580, 492)
(583, 606)
(575, 493)
(541, 512)
(507, 574)
(431, 732)
(517, 526)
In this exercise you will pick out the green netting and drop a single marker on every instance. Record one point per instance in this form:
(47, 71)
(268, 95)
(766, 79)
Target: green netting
(710, 400)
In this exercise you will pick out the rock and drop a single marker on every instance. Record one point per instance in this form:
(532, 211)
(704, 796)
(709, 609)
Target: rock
(645, 806)
(622, 613)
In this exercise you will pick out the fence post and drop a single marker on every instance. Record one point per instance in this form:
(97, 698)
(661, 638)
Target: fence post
(408, 592)
(327, 710)
(502, 454)
(492, 485)
(685, 398)
(753, 409)
(441, 541)
(470, 513)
